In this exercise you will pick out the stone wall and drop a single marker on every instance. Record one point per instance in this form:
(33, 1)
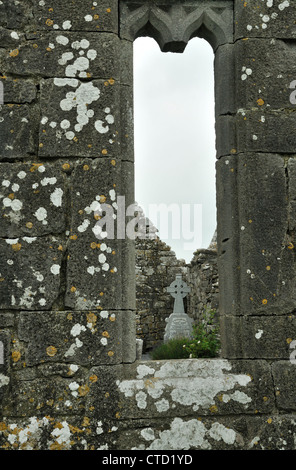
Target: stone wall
(69, 378)
(156, 268)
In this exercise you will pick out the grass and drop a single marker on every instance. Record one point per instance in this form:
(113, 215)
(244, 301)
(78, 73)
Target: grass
(204, 342)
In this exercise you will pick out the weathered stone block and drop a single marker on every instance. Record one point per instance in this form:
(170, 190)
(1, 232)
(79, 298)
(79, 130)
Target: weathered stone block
(57, 433)
(40, 398)
(64, 54)
(10, 38)
(92, 337)
(79, 118)
(4, 365)
(268, 131)
(96, 16)
(265, 19)
(284, 374)
(267, 272)
(14, 15)
(226, 138)
(227, 234)
(224, 69)
(266, 337)
(94, 269)
(30, 272)
(264, 84)
(195, 387)
(18, 91)
(32, 199)
(18, 130)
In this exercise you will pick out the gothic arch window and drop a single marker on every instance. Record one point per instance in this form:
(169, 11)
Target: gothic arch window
(173, 26)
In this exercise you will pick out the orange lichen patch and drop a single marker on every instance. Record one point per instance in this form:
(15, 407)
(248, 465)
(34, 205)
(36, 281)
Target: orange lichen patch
(96, 17)
(113, 162)
(16, 355)
(108, 10)
(41, 145)
(29, 225)
(110, 353)
(289, 340)
(69, 316)
(66, 166)
(86, 421)
(85, 167)
(106, 334)
(269, 420)
(290, 246)
(83, 390)
(3, 426)
(14, 53)
(112, 317)
(2, 279)
(11, 196)
(49, 22)
(73, 237)
(260, 102)
(101, 294)
(264, 301)
(35, 166)
(213, 409)
(51, 351)
(93, 378)
(97, 217)
(117, 415)
(94, 245)
(111, 81)
(102, 198)
(16, 246)
(60, 247)
(73, 289)
(91, 317)
(104, 152)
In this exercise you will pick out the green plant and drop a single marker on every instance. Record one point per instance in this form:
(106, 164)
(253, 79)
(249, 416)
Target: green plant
(205, 341)
(172, 349)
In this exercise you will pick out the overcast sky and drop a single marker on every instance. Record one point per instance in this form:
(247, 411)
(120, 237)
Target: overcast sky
(175, 139)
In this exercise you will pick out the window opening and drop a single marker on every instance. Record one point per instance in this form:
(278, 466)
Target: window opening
(175, 142)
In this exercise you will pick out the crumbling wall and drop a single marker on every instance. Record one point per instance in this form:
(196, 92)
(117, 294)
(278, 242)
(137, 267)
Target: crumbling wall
(156, 267)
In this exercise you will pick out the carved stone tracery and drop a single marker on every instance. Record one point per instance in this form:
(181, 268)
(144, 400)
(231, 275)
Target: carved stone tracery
(173, 24)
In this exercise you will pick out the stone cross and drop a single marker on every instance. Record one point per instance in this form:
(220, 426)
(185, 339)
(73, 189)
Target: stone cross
(179, 324)
(178, 289)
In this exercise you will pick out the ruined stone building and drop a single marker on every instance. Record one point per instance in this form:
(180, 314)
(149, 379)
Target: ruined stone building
(156, 267)
(69, 375)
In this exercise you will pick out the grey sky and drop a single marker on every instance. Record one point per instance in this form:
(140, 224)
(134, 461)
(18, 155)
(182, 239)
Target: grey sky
(175, 135)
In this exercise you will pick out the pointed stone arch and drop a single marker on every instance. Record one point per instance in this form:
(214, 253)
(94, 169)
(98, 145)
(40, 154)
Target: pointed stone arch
(172, 27)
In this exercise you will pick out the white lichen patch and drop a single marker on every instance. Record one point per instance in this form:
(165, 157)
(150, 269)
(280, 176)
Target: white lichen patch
(192, 384)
